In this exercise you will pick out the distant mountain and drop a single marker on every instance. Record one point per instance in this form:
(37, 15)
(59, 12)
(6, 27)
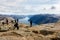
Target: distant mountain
(18, 16)
(13, 16)
(29, 16)
(44, 18)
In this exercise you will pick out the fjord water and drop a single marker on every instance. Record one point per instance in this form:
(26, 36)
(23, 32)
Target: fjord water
(25, 21)
(40, 19)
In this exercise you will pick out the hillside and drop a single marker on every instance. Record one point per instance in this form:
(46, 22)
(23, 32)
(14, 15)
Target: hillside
(49, 31)
(44, 31)
(44, 18)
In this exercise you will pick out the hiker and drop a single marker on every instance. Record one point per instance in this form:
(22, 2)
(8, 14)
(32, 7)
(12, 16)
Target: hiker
(30, 23)
(16, 25)
(17, 20)
(6, 21)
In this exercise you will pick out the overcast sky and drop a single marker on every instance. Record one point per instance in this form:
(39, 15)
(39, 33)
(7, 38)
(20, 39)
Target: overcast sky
(27, 7)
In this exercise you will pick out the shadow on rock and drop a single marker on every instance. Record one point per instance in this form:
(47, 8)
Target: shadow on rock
(46, 32)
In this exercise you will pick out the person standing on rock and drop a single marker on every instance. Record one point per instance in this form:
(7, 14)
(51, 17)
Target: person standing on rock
(6, 21)
(16, 25)
(30, 23)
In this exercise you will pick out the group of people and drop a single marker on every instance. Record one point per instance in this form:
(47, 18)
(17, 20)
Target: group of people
(16, 24)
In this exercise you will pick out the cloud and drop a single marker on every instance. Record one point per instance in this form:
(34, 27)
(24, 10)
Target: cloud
(29, 6)
(37, 2)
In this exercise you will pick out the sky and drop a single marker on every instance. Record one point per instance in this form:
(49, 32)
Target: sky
(29, 7)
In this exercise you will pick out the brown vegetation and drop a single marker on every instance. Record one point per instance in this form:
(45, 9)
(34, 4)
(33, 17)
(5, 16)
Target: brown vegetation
(38, 32)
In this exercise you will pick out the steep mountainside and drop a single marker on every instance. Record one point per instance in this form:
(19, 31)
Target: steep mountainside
(44, 18)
